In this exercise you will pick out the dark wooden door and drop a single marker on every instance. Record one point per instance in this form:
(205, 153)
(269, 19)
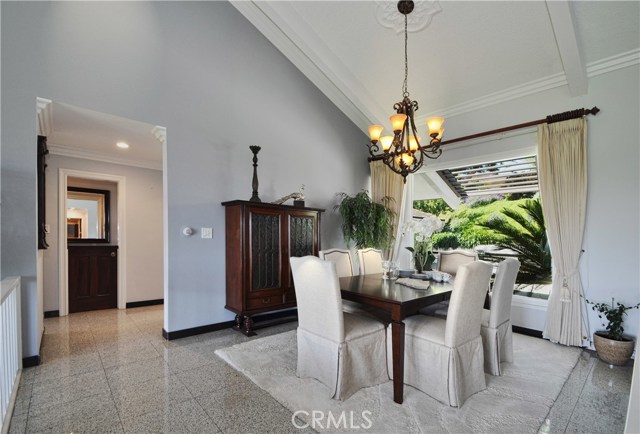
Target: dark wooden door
(93, 278)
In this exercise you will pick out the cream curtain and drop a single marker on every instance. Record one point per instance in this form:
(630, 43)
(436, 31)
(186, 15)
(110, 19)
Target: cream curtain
(562, 169)
(386, 183)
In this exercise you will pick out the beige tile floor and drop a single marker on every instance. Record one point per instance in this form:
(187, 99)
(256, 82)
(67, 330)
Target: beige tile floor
(111, 371)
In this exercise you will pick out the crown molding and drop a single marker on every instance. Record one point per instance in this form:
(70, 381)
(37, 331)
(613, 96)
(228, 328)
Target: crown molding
(290, 34)
(603, 66)
(287, 31)
(44, 110)
(515, 92)
(68, 151)
(613, 63)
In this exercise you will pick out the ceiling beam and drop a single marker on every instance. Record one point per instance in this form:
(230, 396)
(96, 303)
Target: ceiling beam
(561, 15)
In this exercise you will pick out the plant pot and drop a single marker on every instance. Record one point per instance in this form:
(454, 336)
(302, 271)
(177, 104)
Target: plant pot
(613, 352)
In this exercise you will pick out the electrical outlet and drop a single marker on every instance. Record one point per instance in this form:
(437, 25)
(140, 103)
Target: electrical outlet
(206, 232)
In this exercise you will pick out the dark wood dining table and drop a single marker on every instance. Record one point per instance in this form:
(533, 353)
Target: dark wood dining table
(399, 301)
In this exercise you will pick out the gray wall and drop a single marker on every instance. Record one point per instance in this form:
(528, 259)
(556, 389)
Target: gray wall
(203, 72)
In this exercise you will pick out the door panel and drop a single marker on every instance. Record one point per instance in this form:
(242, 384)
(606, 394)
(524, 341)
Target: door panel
(93, 278)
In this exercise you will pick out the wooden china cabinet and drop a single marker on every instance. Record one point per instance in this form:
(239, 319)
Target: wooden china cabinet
(260, 238)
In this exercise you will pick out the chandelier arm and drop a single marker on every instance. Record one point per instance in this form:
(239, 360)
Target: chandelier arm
(433, 154)
(373, 148)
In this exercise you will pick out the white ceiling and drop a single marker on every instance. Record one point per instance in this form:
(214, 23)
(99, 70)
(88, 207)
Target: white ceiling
(82, 133)
(473, 54)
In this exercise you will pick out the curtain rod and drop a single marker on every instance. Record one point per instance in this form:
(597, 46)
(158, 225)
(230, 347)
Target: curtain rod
(559, 117)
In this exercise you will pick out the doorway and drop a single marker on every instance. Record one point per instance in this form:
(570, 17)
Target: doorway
(89, 275)
(86, 145)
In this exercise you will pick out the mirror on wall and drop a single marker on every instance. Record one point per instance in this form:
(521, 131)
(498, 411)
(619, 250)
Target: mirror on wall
(87, 215)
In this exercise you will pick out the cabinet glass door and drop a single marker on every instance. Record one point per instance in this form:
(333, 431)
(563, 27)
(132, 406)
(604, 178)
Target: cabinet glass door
(265, 250)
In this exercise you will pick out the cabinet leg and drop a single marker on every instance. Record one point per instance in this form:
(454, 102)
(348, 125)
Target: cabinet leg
(248, 326)
(238, 325)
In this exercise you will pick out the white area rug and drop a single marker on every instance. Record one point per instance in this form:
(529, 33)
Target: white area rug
(516, 402)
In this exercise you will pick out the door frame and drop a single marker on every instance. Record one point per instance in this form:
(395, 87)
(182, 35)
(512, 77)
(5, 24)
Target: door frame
(120, 236)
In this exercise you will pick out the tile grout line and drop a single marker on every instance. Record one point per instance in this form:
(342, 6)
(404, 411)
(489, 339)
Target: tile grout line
(108, 384)
(573, 409)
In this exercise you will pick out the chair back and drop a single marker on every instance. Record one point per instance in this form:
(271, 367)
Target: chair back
(318, 297)
(465, 307)
(502, 292)
(370, 261)
(449, 261)
(342, 258)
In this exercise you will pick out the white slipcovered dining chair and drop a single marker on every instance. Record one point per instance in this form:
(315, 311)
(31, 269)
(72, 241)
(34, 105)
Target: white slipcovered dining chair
(342, 258)
(497, 336)
(344, 268)
(444, 358)
(370, 261)
(344, 351)
(448, 262)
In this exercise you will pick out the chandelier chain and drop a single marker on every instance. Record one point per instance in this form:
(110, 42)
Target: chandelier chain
(405, 90)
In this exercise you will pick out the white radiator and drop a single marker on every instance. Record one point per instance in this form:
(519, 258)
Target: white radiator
(10, 348)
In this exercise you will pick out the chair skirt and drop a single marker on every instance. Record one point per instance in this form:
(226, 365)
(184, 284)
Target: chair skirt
(343, 367)
(498, 347)
(450, 375)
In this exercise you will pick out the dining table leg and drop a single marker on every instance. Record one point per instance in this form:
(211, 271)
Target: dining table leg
(397, 340)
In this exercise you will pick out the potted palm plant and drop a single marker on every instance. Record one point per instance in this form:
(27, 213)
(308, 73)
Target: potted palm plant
(611, 345)
(366, 223)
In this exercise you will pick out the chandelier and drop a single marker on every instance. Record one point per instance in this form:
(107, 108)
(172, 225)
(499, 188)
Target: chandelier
(403, 152)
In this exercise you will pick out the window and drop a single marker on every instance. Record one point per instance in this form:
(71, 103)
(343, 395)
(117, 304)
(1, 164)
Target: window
(516, 175)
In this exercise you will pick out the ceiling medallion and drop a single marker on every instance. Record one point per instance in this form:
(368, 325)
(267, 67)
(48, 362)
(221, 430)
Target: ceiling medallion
(423, 11)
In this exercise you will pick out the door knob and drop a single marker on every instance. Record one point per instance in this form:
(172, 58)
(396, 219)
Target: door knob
(113, 254)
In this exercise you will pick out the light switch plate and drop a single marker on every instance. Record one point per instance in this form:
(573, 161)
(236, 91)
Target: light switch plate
(206, 232)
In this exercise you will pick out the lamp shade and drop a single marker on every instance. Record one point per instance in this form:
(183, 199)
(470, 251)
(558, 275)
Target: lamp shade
(397, 121)
(414, 143)
(386, 142)
(435, 125)
(407, 159)
(374, 132)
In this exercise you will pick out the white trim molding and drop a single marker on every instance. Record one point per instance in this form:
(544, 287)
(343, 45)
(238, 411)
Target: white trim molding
(44, 114)
(161, 134)
(290, 34)
(613, 63)
(70, 151)
(63, 259)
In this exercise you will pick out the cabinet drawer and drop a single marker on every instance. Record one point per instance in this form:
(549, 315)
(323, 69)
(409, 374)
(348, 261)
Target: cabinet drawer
(268, 301)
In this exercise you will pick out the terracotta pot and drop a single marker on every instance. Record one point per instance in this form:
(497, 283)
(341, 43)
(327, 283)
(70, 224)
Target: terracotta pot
(613, 352)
